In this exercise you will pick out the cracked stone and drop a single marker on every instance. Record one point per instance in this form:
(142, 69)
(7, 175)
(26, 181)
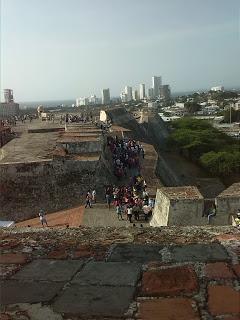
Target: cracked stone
(88, 301)
(108, 274)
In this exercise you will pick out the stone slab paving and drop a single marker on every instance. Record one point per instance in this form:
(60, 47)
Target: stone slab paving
(140, 253)
(95, 301)
(148, 274)
(168, 309)
(199, 252)
(169, 281)
(49, 270)
(13, 291)
(100, 216)
(108, 274)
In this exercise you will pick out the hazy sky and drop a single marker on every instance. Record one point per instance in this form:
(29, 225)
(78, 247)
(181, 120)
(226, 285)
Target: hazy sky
(60, 49)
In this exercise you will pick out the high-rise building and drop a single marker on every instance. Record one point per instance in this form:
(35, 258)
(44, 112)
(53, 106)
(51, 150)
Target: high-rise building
(82, 101)
(8, 108)
(142, 94)
(150, 93)
(8, 95)
(135, 95)
(128, 92)
(105, 96)
(124, 97)
(156, 84)
(165, 92)
(93, 100)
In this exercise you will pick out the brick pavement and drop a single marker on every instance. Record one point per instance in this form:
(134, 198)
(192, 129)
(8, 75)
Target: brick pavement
(71, 217)
(95, 277)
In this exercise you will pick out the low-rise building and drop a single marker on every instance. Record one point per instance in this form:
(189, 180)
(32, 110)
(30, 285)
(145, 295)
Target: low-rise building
(178, 206)
(228, 202)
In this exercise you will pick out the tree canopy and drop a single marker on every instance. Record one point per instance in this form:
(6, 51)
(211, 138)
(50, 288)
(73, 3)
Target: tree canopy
(212, 149)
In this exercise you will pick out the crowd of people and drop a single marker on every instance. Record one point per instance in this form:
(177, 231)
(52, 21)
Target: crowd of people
(74, 118)
(131, 200)
(126, 155)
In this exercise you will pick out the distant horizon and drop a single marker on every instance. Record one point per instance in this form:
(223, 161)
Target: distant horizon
(174, 93)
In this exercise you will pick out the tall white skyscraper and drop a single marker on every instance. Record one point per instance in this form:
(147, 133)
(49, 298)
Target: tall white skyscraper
(156, 84)
(128, 92)
(105, 96)
(142, 91)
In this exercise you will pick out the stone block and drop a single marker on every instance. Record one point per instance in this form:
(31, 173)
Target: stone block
(49, 270)
(170, 281)
(13, 258)
(223, 300)
(140, 253)
(199, 252)
(108, 274)
(13, 291)
(167, 309)
(236, 269)
(219, 270)
(92, 301)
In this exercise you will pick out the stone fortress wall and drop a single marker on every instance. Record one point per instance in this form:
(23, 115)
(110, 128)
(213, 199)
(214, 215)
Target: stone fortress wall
(81, 161)
(57, 183)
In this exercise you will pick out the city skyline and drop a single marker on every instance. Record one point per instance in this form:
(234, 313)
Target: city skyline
(85, 47)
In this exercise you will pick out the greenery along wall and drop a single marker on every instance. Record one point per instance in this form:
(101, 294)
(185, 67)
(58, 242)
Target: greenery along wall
(200, 142)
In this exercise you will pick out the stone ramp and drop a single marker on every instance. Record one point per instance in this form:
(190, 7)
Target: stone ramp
(71, 217)
(100, 216)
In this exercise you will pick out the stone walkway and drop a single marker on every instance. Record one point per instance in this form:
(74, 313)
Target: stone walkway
(104, 279)
(71, 217)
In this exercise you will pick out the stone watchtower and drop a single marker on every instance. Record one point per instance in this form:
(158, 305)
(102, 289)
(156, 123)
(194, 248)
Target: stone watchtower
(178, 206)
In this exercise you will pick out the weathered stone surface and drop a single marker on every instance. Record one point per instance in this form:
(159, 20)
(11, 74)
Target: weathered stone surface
(13, 258)
(5, 316)
(28, 292)
(218, 270)
(49, 270)
(59, 254)
(223, 300)
(170, 281)
(167, 309)
(199, 252)
(95, 301)
(136, 253)
(34, 311)
(236, 269)
(108, 274)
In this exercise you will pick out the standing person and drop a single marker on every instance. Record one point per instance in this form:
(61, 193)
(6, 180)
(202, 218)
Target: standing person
(88, 200)
(42, 217)
(211, 214)
(108, 200)
(94, 196)
(119, 211)
(129, 214)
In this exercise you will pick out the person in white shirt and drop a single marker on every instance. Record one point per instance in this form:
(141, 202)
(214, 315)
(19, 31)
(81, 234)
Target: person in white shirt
(129, 214)
(42, 217)
(94, 196)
